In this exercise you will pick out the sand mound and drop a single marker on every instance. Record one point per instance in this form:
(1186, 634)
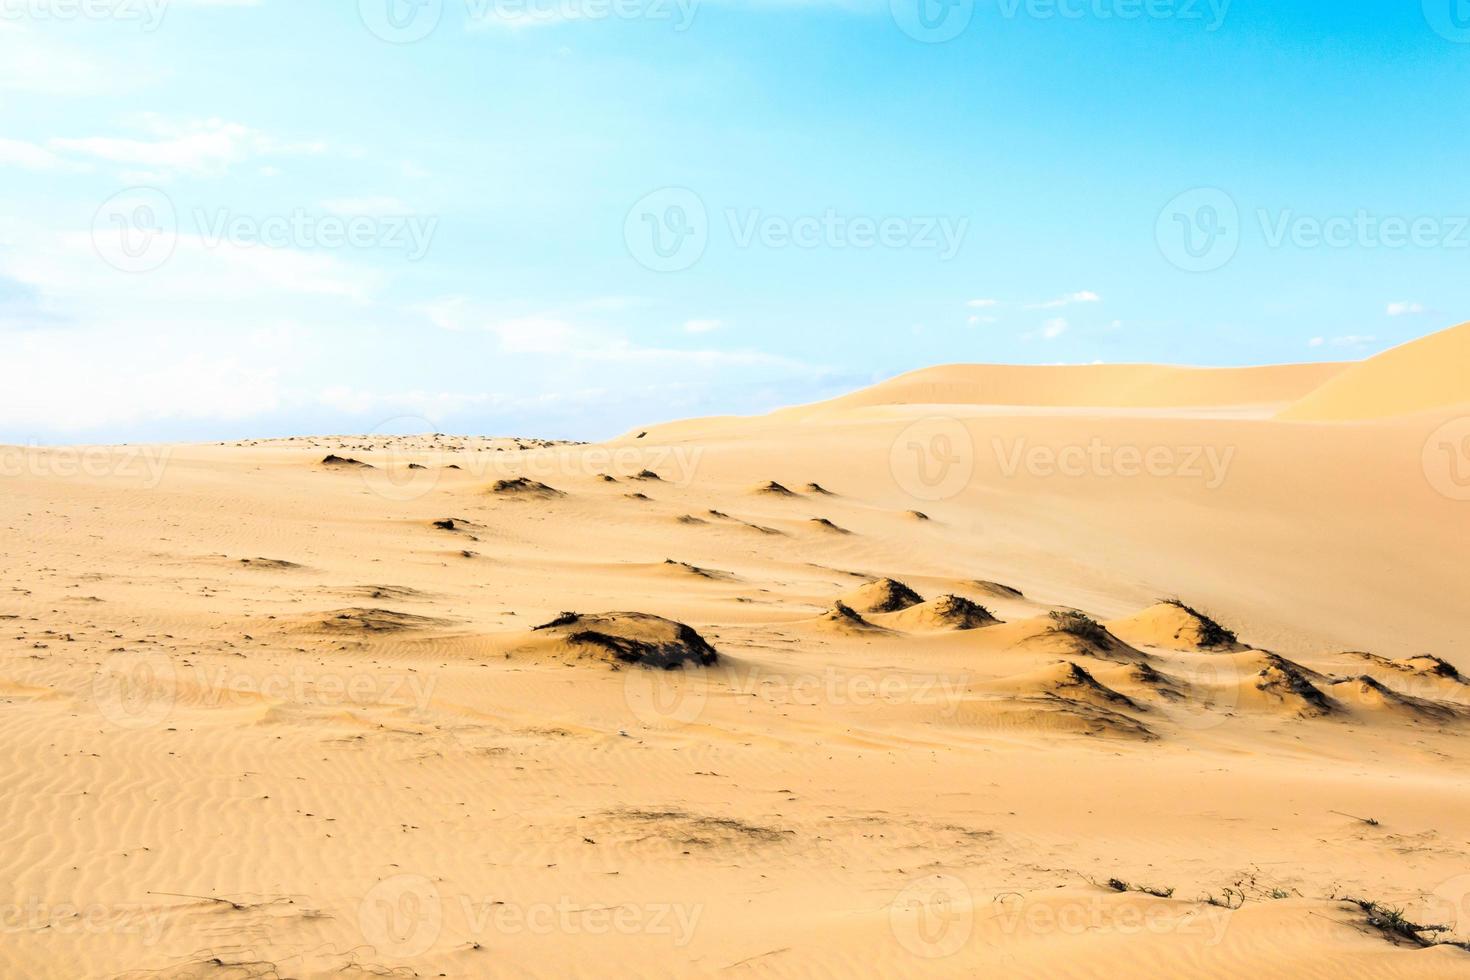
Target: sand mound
(948, 612)
(1171, 625)
(358, 620)
(647, 475)
(1369, 694)
(1425, 665)
(629, 638)
(917, 515)
(997, 590)
(825, 525)
(1071, 632)
(684, 568)
(818, 489)
(1081, 386)
(345, 462)
(1068, 680)
(525, 488)
(883, 596)
(773, 489)
(1291, 686)
(269, 564)
(843, 618)
(1429, 373)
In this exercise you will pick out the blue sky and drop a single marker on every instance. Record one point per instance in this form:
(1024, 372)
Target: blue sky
(564, 218)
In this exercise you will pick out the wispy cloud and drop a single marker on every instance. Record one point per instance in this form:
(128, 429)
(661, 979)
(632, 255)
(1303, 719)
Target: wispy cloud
(1085, 296)
(1406, 309)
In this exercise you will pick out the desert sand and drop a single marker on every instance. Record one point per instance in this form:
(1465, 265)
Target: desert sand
(983, 671)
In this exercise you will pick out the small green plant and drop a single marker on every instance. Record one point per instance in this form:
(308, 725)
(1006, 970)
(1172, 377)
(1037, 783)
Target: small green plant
(1395, 925)
(1074, 623)
(1118, 885)
(1211, 633)
(1231, 899)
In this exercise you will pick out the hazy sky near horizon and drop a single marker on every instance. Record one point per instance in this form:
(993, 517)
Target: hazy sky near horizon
(564, 218)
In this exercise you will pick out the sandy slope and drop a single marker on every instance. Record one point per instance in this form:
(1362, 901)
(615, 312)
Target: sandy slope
(262, 717)
(1426, 375)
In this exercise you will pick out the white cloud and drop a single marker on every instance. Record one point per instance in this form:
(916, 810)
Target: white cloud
(1050, 330)
(35, 65)
(1085, 296)
(198, 148)
(1406, 309)
(31, 156)
(702, 326)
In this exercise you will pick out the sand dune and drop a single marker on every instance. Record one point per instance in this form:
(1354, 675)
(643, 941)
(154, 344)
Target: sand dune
(1425, 375)
(267, 717)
